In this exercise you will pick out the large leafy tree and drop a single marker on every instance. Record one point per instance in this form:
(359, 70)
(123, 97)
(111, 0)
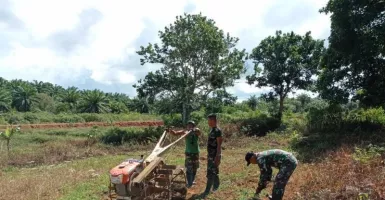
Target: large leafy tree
(289, 62)
(218, 100)
(23, 97)
(196, 57)
(94, 101)
(354, 64)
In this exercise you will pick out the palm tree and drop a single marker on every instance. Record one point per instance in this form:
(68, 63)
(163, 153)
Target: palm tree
(94, 101)
(56, 91)
(39, 85)
(3, 83)
(23, 97)
(71, 97)
(5, 100)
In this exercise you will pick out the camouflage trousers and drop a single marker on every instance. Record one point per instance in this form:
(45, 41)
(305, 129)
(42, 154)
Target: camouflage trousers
(192, 165)
(282, 178)
(212, 175)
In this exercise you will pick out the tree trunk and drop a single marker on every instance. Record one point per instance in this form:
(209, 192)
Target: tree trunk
(280, 111)
(184, 113)
(8, 147)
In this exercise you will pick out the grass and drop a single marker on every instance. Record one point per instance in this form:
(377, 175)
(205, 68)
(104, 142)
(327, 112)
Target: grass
(36, 147)
(67, 172)
(45, 117)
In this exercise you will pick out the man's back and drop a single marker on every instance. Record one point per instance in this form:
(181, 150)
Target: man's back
(275, 158)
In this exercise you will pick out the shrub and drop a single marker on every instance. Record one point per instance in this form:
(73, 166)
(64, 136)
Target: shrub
(258, 125)
(91, 117)
(31, 118)
(118, 136)
(335, 119)
(65, 118)
(58, 132)
(173, 120)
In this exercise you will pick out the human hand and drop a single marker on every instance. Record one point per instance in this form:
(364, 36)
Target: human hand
(217, 160)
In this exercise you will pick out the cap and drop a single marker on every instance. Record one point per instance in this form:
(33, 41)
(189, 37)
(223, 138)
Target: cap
(248, 156)
(191, 122)
(212, 115)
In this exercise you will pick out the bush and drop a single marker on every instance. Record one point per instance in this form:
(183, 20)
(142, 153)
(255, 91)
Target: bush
(31, 118)
(58, 132)
(258, 125)
(90, 117)
(118, 136)
(65, 118)
(335, 119)
(173, 120)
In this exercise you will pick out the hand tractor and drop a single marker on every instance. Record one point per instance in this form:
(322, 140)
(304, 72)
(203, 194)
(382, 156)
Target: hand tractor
(150, 178)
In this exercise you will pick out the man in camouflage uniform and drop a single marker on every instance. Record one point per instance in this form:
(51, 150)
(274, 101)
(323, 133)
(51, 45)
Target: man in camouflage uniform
(191, 151)
(284, 161)
(214, 144)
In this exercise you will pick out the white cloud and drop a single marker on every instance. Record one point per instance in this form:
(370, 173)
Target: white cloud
(105, 52)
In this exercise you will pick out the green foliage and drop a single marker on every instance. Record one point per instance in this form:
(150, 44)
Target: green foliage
(252, 102)
(367, 154)
(257, 124)
(118, 136)
(44, 117)
(289, 62)
(23, 97)
(43, 102)
(354, 62)
(8, 134)
(5, 100)
(173, 120)
(335, 118)
(196, 55)
(94, 101)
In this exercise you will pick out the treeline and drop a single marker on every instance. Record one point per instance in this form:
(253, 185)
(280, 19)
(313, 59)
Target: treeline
(199, 61)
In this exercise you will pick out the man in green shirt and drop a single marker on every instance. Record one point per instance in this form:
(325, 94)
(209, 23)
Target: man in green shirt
(191, 151)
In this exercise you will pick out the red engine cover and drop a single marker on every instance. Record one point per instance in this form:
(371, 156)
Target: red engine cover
(125, 169)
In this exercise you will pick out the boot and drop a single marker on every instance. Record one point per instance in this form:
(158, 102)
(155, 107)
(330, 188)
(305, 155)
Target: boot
(216, 183)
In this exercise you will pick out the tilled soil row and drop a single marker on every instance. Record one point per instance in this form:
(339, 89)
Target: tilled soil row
(89, 124)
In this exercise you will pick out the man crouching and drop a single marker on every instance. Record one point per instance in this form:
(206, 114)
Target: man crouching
(284, 161)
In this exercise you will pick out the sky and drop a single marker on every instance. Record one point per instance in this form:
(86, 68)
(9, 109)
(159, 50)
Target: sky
(91, 43)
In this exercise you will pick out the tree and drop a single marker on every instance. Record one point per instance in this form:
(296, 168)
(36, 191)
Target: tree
(5, 100)
(94, 101)
(219, 99)
(71, 97)
(7, 136)
(354, 63)
(289, 62)
(196, 57)
(304, 99)
(44, 102)
(22, 96)
(252, 102)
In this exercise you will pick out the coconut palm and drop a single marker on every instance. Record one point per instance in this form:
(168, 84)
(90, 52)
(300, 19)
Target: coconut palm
(94, 101)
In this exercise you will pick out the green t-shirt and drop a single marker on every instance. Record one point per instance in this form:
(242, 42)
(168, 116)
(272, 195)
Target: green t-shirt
(192, 145)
